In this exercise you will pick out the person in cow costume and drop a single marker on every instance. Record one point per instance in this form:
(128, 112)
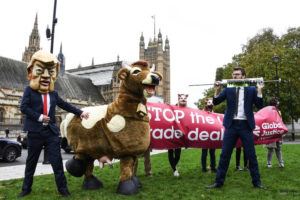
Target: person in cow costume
(119, 130)
(38, 105)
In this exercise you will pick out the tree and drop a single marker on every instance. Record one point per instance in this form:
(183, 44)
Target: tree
(256, 58)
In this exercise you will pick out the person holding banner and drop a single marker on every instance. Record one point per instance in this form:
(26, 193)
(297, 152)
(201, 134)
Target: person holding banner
(174, 154)
(275, 146)
(238, 152)
(239, 123)
(208, 108)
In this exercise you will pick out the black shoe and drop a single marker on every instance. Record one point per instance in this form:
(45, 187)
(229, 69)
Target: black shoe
(213, 186)
(259, 186)
(64, 193)
(24, 193)
(204, 170)
(46, 162)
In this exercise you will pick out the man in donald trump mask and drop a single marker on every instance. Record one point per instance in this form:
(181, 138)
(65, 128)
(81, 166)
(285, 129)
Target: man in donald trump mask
(38, 105)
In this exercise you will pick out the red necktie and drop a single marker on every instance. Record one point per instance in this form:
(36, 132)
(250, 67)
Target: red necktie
(45, 110)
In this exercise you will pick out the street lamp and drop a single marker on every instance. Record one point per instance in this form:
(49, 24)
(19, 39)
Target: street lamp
(49, 34)
(276, 60)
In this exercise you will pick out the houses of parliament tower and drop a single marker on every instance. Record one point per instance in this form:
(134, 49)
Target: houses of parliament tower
(158, 55)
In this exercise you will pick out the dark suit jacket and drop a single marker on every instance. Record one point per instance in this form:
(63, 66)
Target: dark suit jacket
(250, 98)
(32, 107)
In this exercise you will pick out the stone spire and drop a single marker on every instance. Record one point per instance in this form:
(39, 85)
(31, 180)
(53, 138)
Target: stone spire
(34, 42)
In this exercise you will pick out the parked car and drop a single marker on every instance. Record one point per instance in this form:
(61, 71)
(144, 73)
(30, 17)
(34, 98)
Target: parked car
(10, 150)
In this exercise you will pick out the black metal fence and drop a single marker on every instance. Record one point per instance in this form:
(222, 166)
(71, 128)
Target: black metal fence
(11, 124)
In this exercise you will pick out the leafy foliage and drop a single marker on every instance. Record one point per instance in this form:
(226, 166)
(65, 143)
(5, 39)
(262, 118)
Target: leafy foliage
(256, 58)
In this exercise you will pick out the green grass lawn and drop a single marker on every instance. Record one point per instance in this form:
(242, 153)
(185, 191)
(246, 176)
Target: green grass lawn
(280, 183)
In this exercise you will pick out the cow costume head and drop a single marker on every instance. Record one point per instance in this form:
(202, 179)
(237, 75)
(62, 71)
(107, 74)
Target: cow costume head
(139, 79)
(182, 100)
(42, 71)
(208, 104)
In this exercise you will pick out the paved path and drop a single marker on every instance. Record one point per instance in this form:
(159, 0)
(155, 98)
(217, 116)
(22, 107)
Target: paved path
(17, 171)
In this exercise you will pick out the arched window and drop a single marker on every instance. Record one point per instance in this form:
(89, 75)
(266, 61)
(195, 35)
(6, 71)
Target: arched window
(2, 114)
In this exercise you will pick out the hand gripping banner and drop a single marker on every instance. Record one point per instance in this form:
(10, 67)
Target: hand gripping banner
(175, 127)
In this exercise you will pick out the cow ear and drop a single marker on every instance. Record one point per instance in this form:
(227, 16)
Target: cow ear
(123, 73)
(187, 95)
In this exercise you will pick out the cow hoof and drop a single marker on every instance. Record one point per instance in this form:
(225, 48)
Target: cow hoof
(137, 181)
(92, 183)
(127, 187)
(76, 167)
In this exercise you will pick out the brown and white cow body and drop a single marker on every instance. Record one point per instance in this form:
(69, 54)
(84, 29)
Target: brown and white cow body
(118, 130)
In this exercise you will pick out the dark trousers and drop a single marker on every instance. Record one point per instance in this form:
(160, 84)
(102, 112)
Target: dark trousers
(239, 129)
(174, 157)
(238, 157)
(35, 142)
(212, 158)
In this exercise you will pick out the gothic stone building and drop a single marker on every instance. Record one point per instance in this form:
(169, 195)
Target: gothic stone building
(77, 90)
(83, 86)
(104, 76)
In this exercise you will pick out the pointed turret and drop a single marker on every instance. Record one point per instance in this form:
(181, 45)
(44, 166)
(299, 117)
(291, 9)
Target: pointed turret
(167, 45)
(142, 42)
(159, 40)
(62, 60)
(150, 43)
(142, 47)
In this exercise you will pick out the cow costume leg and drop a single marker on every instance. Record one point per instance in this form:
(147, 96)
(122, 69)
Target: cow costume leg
(127, 185)
(90, 181)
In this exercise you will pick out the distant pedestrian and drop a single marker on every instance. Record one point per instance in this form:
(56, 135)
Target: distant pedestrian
(6, 132)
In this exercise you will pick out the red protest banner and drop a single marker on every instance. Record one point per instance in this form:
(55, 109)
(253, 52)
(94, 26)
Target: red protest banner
(174, 127)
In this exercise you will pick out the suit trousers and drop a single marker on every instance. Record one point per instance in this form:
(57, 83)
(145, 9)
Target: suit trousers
(36, 141)
(238, 129)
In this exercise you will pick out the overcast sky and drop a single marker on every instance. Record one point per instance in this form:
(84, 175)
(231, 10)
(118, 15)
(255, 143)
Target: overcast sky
(203, 35)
